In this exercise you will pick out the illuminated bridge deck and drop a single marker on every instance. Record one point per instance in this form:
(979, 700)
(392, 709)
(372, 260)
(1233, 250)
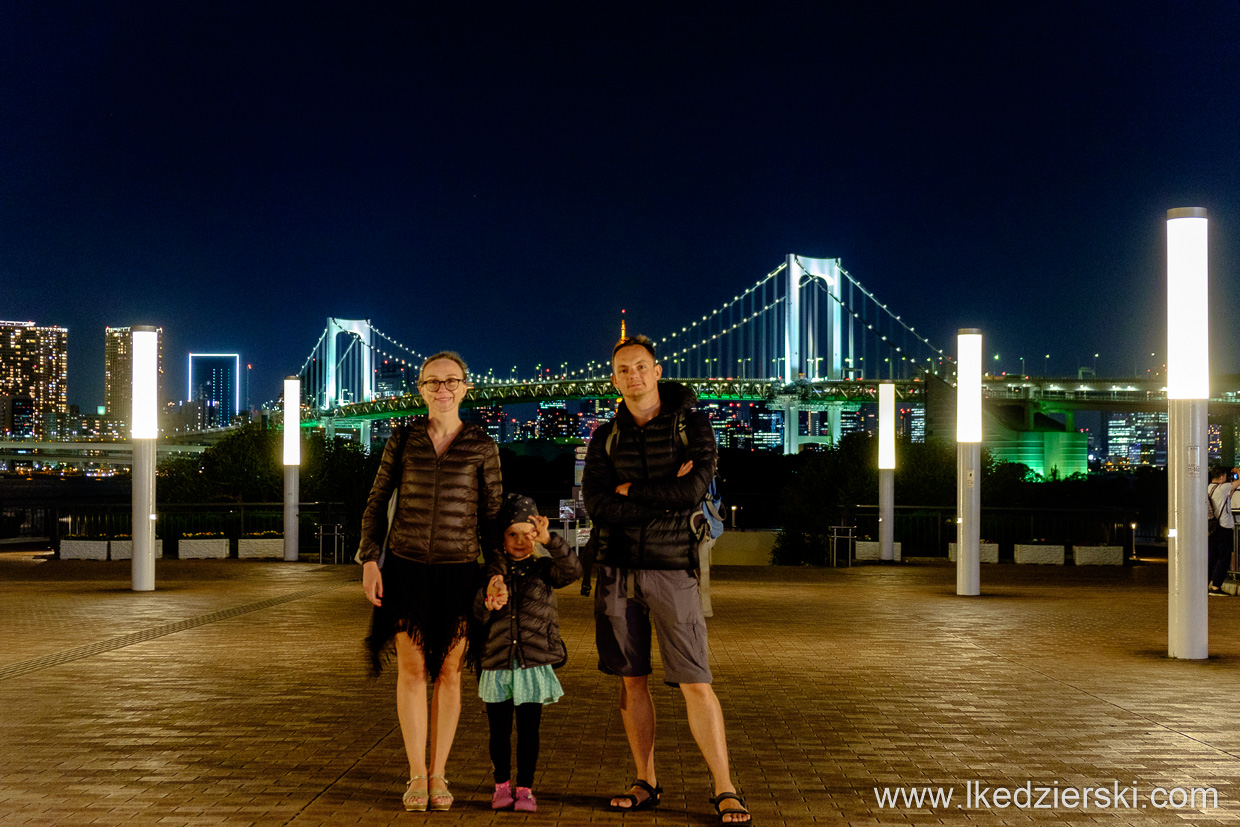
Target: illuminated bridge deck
(1054, 394)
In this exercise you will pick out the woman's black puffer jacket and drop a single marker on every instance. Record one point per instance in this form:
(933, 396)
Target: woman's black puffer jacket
(527, 629)
(447, 505)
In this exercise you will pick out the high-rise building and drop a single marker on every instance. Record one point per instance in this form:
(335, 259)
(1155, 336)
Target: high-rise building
(214, 383)
(118, 377)
(393, 377)
(34, 363)
(555, 422)
(490, 417)
(594, 412)
(768, 430)
(16, 417)
(1138, 438)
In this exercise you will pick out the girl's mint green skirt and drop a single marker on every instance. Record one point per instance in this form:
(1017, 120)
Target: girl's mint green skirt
(532, 685)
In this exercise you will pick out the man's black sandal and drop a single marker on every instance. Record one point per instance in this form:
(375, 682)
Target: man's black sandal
(653, 795)
(722, 797)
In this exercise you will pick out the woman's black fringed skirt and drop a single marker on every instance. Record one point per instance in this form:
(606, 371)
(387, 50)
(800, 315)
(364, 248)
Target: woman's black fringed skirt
(433, 603)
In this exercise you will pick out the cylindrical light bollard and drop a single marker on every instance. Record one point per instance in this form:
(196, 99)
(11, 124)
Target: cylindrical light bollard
(886, 470)
(1188, 392)
(144, 422)
(968, 460)
(292, 464)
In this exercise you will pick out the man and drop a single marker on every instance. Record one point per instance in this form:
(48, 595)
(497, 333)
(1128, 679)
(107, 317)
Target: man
(1220, 542)
(646, 472)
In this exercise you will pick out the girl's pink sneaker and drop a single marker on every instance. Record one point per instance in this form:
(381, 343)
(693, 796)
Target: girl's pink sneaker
(525, 802)
(502, 799)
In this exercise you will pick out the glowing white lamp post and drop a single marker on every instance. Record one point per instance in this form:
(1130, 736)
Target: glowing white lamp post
(968, 460)
(886, 469)
(144, 422)
(1188, 392)
(292, 464)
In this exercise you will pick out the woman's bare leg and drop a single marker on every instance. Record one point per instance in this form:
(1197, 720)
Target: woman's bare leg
(446, 707)
(411, 701)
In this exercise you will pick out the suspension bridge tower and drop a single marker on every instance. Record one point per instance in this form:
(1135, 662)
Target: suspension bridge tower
(813, 344)
(361, 374)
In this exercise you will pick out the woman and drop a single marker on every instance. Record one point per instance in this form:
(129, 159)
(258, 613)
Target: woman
(446, 477)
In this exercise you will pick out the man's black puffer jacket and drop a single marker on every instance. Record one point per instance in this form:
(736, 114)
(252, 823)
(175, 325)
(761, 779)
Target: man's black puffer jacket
(447, 506)
(527, 629)
(649, 528)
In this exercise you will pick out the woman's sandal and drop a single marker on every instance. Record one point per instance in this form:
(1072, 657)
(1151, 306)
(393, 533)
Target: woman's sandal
(415, 800)
(653, 795)
(722, 797)
(441, 801)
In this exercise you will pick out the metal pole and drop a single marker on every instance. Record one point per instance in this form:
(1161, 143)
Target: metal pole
(886, 514)
(1187, 618)
(886, 470)
(292, 494)
(969, 460)
(968, 523)
(142, 565)
(144, 424)
(292, 465)
(1188, 392)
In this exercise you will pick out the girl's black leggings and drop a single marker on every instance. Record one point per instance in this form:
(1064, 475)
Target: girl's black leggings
(529, 716)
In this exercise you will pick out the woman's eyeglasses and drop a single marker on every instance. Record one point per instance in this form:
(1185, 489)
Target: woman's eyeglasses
(433, 385)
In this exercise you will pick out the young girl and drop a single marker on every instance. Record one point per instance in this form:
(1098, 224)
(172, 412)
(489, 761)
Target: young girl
(523, 645)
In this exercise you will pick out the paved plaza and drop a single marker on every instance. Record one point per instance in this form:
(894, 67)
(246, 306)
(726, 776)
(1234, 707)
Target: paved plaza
(236, 694)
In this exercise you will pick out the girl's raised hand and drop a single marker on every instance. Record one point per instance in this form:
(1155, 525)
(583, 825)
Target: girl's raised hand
(541, 533)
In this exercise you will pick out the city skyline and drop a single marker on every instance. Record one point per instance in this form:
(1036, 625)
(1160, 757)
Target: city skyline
(237, 174)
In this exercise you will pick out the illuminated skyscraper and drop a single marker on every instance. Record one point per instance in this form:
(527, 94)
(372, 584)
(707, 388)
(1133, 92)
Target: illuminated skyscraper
(214, 383)
(394, 377)
(555, 422)
(34, 362)
(118, 377)
(490, 417)
(1137, 438)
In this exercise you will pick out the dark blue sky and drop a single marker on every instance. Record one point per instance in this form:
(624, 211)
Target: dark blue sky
(503, 178)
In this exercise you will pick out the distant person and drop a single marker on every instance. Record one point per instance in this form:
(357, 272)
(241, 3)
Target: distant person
(646, 473)
(1222, 486)
(587, 554)
(446, 476)
(523, 646)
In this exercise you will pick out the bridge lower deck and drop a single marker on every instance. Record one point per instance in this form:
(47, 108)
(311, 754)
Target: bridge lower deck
(235, 694)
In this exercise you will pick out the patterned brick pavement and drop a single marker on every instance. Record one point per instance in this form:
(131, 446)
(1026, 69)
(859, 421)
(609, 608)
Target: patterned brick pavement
(235, 694)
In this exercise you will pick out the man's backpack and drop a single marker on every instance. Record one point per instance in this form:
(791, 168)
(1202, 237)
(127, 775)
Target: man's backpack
(706, 522)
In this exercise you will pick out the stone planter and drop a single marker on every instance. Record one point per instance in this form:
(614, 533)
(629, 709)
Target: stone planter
(123, 549)
(1038, 554)
(871, 550)
(1098, 555)
(989, 552)
(251, 547)
(200, 548)
(83, 549)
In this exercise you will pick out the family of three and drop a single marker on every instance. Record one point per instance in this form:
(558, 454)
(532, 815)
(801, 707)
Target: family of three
(437, 506)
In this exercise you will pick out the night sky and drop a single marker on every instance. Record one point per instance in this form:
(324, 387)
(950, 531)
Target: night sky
(503, 178)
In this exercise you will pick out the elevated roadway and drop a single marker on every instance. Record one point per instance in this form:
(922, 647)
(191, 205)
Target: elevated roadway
(1047, 394)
